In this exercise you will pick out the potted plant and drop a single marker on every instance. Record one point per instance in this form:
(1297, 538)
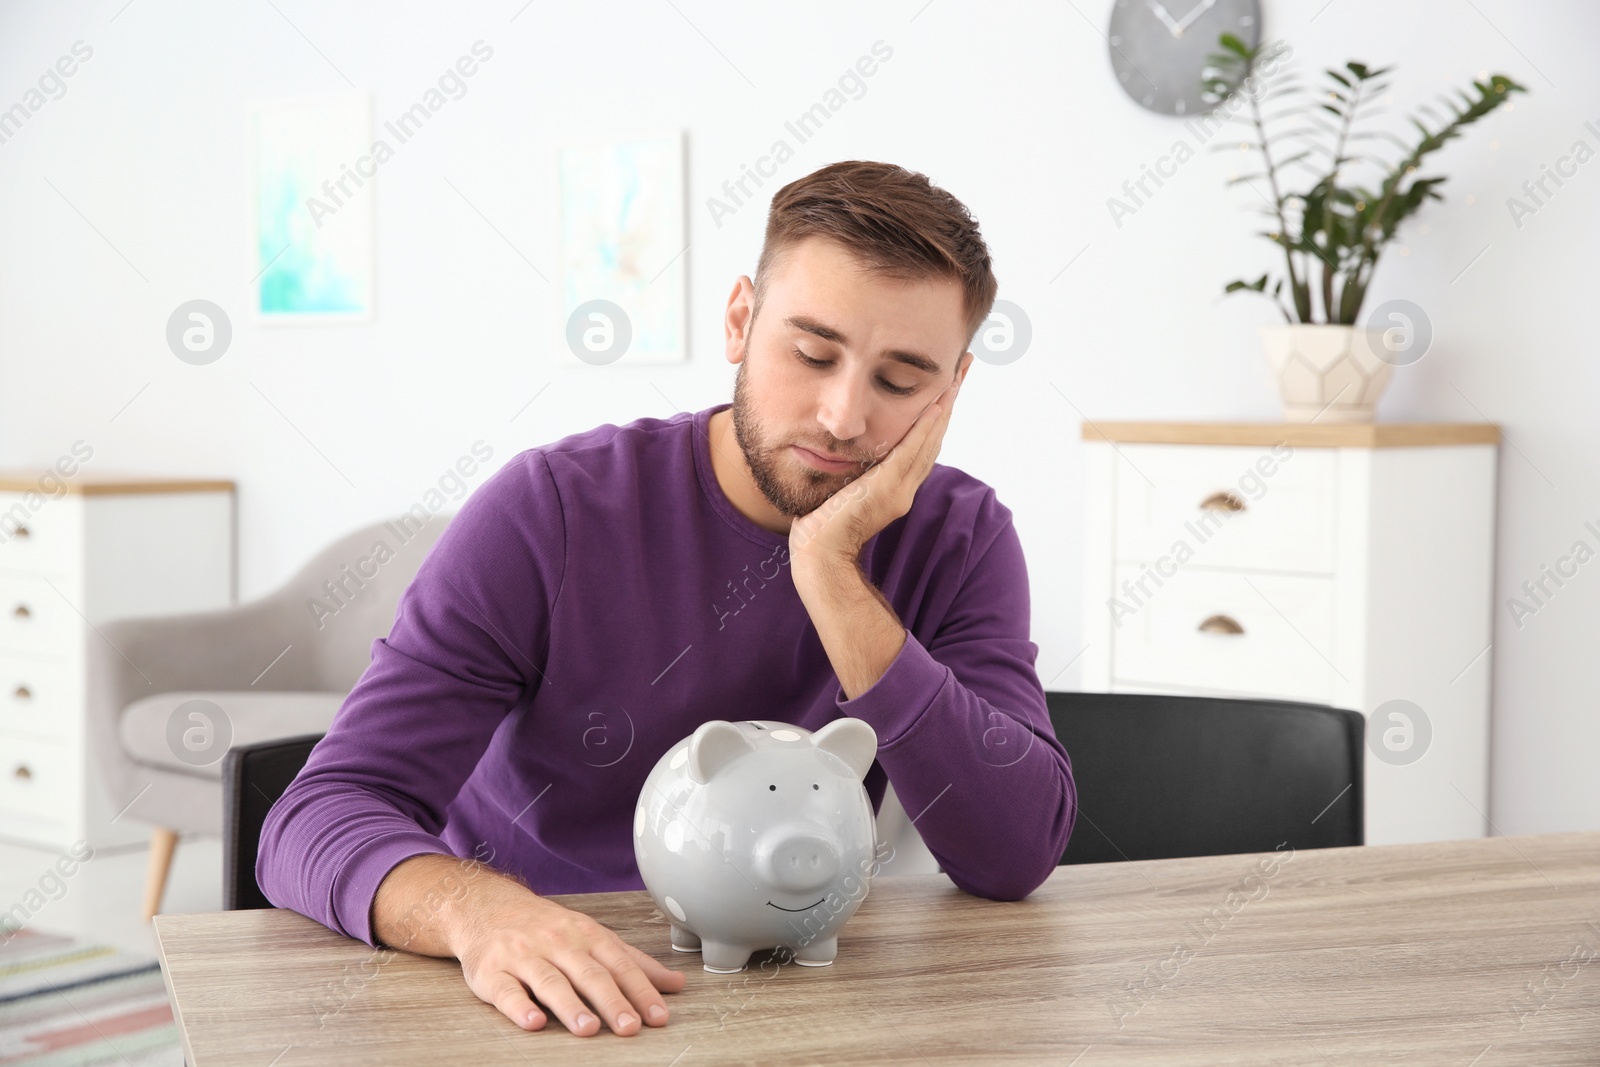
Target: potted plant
(1328, 368)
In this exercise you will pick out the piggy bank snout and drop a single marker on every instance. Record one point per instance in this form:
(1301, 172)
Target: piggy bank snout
(797, 860)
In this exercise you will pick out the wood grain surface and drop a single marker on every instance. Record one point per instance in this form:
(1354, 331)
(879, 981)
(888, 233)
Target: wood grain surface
(1470, 953)
(105, 484)
(1307, 434)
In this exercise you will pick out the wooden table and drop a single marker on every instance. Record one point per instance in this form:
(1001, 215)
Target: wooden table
(1470, 953)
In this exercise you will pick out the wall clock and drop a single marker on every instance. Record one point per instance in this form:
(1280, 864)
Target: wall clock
(1158, 52)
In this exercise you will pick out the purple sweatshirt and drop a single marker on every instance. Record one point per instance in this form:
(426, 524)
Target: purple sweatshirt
(596, 600)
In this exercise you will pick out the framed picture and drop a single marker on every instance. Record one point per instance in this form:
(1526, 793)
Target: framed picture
(314, 170)
(622, 263)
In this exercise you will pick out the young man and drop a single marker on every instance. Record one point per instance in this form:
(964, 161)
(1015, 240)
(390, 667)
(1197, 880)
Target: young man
(797, 556)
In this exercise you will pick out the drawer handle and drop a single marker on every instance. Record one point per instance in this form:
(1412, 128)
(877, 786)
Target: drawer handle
(1220, 624)
(23, 693)
(22, 531)
(22, 612)
(22, 773)
(1222, 500)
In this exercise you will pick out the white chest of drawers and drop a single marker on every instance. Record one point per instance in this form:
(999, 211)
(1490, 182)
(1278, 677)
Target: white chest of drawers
(1349, 565)
(77, 549)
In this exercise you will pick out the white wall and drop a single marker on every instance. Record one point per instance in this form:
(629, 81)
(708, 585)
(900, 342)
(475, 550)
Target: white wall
(1011, 106)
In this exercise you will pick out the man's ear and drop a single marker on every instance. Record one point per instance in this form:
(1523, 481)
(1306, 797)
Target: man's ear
(962, 367)
(737, 322)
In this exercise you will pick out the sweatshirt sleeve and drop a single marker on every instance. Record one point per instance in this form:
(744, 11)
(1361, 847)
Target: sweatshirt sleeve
(964, 734)
(467, 646)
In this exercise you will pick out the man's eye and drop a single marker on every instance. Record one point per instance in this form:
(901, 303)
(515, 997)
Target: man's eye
(897, 390)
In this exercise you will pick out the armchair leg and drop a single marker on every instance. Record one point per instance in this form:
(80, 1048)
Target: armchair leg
(162, 843)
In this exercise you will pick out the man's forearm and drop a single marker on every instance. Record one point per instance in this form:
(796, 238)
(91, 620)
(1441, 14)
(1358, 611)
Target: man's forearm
(420, 904)
(859, 630)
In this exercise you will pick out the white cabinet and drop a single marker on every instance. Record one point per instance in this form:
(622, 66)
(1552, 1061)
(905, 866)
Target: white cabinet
(1349, 565)
(76, 550)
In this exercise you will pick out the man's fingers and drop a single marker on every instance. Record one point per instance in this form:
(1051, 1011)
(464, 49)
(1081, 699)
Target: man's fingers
(506, 994)
(665, 978)
(933, 440)
(555, 992)
(904, 455)
(597, 984)
(925, 432)
(637, 986)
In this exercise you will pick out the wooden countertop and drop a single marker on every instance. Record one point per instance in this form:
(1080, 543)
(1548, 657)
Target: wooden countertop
(1298, 434)
(1461, 952)
(18, 480)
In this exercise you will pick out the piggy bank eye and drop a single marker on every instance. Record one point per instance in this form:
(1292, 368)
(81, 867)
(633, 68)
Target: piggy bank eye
(773, 788)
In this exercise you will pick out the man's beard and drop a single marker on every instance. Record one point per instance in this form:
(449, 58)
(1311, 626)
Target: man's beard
(763, 460)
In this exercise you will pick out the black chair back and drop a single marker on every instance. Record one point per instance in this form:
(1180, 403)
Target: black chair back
(1161, 776)
(253, 778)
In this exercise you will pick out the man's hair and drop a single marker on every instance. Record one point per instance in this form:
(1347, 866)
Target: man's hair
(895, 221)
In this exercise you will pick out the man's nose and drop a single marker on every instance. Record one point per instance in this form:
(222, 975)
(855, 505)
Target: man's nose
(843, 408)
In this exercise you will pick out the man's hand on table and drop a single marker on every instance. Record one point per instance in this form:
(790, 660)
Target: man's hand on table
(509, 940)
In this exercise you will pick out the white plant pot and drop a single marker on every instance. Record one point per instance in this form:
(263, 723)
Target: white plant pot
(1328, 373)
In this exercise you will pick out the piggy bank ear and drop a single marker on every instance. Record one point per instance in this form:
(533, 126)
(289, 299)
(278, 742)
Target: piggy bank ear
(715, 745)
(852, 740)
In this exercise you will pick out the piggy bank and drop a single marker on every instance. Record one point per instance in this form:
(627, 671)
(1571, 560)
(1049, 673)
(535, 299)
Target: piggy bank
(757, 835)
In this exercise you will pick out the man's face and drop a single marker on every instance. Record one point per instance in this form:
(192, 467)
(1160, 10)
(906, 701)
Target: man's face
(886, 348)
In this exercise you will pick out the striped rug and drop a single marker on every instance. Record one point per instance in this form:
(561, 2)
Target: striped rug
(64, 1003)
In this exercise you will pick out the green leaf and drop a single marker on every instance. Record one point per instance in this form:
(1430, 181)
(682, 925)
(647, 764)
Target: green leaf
(1332, 234)
(1235, 45)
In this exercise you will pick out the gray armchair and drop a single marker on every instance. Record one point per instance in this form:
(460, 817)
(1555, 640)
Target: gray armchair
(275, 667)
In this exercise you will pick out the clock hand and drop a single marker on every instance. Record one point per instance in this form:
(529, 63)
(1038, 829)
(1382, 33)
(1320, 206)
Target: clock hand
(1196, 13)
(1161, 13)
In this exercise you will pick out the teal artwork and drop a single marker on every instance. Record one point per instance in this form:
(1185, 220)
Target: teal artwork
(622, 245)
(314, 201)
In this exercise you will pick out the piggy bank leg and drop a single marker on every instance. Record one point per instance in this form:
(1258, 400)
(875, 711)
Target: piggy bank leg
(718, 957)
(817, 953)
(684, 940)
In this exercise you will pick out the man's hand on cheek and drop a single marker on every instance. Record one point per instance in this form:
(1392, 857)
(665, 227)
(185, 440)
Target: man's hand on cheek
(847, 520)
